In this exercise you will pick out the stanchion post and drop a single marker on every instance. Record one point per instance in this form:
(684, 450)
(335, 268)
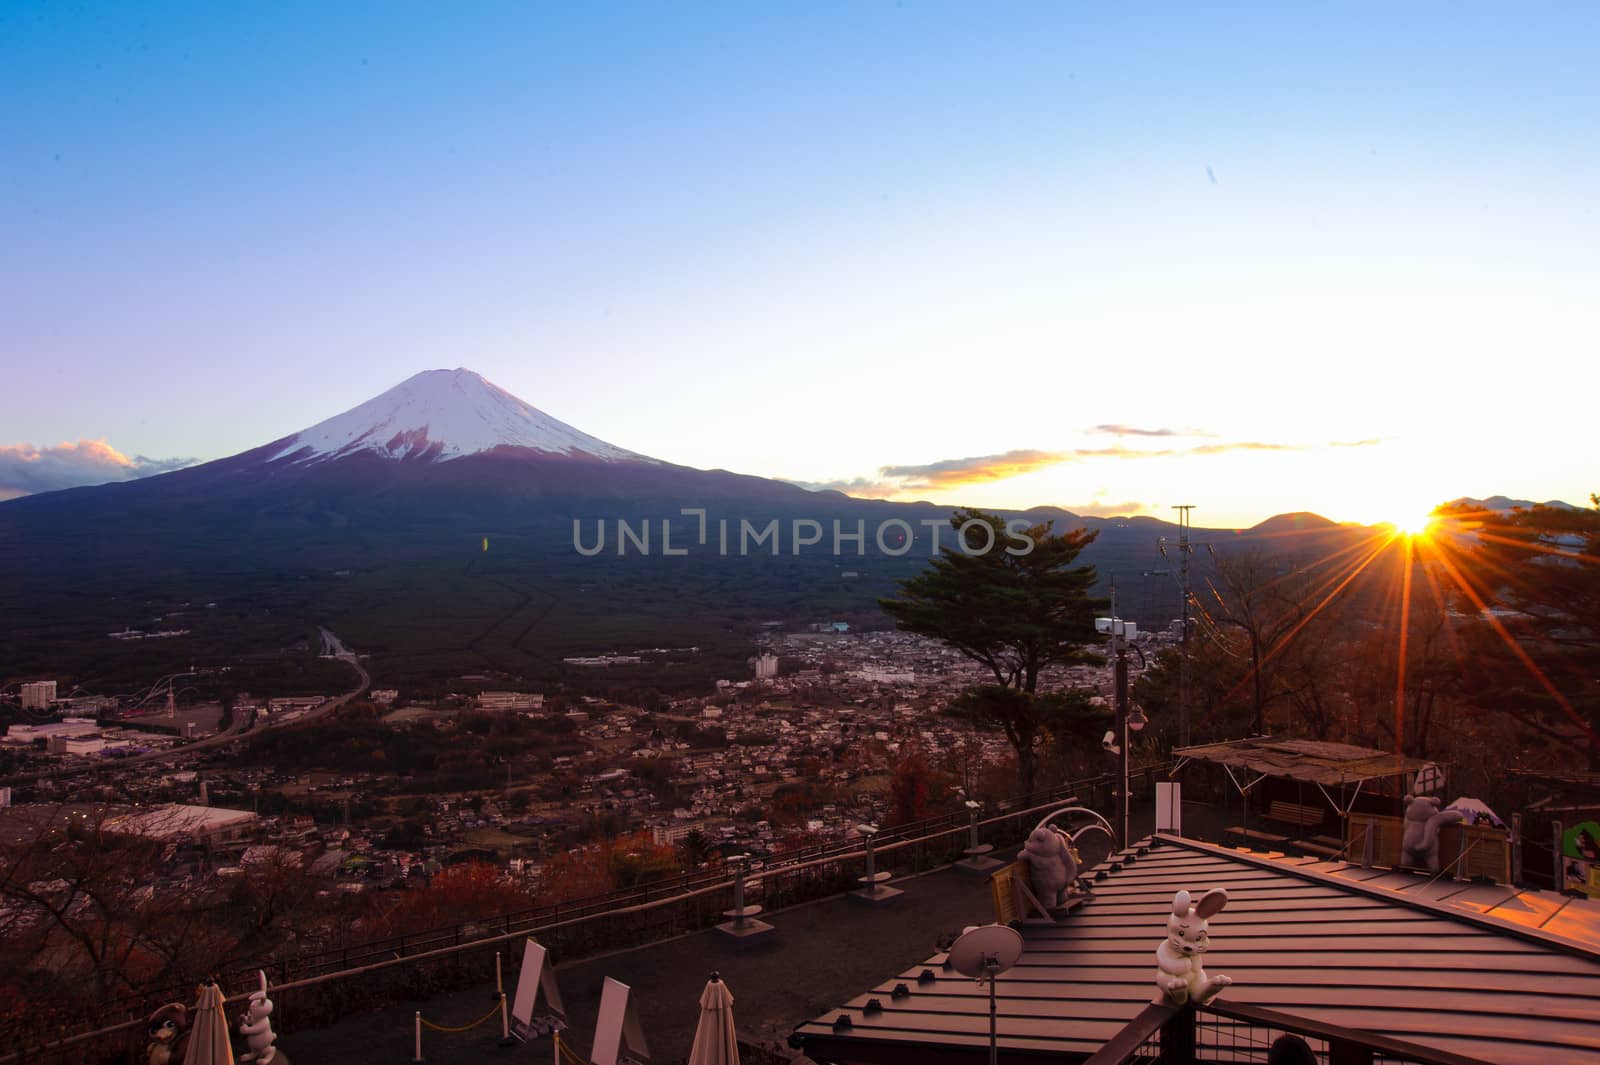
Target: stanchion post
(418, 1058)
(555, 1041)
(505, 1021)
(499, 982)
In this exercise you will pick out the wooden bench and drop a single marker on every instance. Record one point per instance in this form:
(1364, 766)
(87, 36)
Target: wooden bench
(1255, 835)
(1014, 900)
(1294, 813)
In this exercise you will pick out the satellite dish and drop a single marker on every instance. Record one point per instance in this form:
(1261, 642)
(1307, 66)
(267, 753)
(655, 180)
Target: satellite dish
(986, 950)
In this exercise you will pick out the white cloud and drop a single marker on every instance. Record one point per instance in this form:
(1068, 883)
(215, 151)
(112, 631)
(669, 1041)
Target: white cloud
(26, 469)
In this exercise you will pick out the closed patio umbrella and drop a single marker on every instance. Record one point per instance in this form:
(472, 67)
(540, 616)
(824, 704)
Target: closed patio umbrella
(208, 1039)
(715, 1042)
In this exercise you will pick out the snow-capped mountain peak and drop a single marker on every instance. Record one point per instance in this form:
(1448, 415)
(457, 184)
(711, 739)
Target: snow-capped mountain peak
(439, 415)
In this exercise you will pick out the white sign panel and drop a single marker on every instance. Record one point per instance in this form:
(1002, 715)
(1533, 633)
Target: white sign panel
(1169, 807)
(536, 974)
(617, 1028)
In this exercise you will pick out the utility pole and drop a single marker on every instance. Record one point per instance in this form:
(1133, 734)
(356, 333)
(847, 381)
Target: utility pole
(1120, 689)
(1183, 638)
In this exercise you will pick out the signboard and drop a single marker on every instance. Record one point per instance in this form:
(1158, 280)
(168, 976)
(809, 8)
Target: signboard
(1169, 807)
(537, 975)
(1580, 859)
(1429, 779)
(618, 1038)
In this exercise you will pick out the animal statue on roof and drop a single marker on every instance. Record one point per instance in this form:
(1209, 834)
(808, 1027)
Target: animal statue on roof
(256, 1027)
(1420, 845)
(1052, 865)
(168, 1035)
(1180, 979)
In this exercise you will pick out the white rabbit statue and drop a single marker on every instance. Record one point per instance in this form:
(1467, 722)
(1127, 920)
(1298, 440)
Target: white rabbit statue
(256, 1027)
(1179, 976)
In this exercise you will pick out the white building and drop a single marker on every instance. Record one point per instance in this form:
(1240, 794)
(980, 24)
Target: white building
(510, 701)
(38, 695)
(205, 824)
(27, 735)
(767, 666)
(874, 675)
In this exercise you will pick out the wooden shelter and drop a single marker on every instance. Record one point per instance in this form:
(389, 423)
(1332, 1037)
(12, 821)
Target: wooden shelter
(1342, 774)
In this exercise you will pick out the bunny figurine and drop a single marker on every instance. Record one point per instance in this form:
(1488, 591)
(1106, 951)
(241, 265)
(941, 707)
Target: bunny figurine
(256, 1027)
(1179, 978)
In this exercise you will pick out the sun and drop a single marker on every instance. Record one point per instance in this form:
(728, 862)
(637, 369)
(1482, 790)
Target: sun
(1417, 524)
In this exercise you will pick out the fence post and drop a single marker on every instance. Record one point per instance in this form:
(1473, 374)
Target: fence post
(1516, 849)
(1177, 1038)
(1557, 831)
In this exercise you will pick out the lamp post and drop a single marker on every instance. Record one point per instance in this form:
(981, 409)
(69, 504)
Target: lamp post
(1127, 721)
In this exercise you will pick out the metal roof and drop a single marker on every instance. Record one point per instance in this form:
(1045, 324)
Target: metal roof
(1512, 978)
(1313, 761)
(1572, 778)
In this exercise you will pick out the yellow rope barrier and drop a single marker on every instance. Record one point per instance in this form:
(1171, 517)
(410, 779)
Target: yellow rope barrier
(465, 1027)
(570, 1056)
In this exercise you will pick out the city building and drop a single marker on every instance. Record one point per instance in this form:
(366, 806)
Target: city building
(211, 825)
(29, 735)
(510, 701)
(38, 695)
(887, 676)
(766, 666)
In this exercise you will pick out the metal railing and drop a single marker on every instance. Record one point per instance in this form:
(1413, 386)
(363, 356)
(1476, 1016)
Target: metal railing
(1240, 1034)
(619, 919)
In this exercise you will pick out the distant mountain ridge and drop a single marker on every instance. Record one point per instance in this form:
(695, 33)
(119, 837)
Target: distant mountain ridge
(1504, 504)
(434, 528)
(1300, 520)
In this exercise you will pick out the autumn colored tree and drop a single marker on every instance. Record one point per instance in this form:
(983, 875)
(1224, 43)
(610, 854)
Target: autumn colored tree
(462, 892)
(1531, 583)
(908, 788)
(620, 862)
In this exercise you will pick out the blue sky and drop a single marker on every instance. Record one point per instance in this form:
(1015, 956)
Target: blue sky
(817, 241)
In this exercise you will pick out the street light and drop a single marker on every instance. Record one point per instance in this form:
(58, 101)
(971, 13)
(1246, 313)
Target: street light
(1127, 720)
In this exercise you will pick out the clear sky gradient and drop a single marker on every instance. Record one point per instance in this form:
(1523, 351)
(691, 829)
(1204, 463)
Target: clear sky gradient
(823, 242)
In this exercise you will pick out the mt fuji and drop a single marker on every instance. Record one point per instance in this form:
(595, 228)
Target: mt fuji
(438, 437)
(433, 527)
(439, 415)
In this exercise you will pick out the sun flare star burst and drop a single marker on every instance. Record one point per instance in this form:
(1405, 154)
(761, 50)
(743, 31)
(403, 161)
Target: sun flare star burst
(1416, 524)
